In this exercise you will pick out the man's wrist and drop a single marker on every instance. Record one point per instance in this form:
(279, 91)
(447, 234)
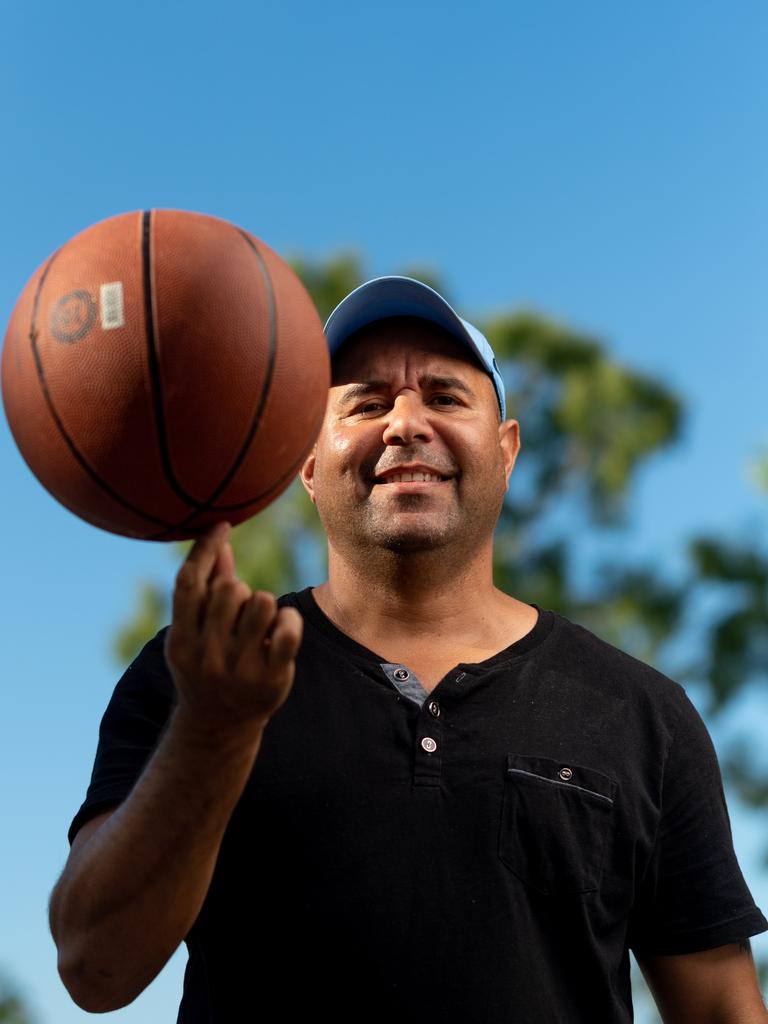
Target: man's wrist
(208, 734)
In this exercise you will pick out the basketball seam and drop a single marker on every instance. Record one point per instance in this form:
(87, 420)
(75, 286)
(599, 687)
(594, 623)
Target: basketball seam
(150, 334)
(291, 469)
(267, 377)
(244, 504)
(260, 406)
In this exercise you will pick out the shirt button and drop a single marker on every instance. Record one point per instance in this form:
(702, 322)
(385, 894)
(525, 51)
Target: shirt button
(429, 744)
(401, 674)
(565, 774)
(434, 708)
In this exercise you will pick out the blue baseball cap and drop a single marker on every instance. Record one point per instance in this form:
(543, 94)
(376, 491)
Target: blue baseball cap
(403, 296)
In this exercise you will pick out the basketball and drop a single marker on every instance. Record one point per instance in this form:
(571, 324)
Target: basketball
(163, 371)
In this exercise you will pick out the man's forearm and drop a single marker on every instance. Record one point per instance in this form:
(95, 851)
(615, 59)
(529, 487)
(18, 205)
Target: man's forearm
(132, 891)
(714, 986)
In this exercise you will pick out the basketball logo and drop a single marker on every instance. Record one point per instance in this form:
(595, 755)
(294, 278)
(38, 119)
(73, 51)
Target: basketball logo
(73, 316)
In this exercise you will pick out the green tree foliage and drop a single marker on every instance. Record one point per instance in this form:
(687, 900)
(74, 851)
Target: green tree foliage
(12, 1009)
(588, 424)
(737, 648)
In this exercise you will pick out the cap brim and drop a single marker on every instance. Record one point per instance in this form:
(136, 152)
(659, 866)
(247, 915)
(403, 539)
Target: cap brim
(390, 296)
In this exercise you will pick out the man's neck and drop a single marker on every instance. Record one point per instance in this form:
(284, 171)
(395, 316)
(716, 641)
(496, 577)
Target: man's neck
(419, 597)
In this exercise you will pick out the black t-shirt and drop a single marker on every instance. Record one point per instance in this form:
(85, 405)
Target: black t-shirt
(484, 855)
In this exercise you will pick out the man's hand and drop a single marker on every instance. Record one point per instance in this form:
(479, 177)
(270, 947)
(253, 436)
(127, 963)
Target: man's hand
(230, 650)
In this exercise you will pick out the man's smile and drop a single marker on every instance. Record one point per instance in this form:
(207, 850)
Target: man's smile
(412, 475)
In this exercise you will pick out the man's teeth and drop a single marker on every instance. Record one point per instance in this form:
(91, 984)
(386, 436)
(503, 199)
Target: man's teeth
(397, 478)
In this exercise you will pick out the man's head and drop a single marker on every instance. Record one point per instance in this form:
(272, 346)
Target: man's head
(411, 455)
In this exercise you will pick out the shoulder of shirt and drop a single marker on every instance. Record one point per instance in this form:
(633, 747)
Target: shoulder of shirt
(602, 665)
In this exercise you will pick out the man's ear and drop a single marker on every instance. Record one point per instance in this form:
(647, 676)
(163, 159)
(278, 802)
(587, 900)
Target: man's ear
(307, 474)
(509, 439)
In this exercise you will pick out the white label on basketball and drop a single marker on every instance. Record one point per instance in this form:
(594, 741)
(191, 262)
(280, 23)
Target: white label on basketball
(112, 314)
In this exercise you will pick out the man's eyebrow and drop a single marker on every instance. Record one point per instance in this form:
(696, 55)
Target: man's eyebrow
(358, 390)
(447, 384)
(430, 381)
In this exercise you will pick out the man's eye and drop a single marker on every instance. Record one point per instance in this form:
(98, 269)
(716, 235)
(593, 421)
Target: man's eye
(374, 406)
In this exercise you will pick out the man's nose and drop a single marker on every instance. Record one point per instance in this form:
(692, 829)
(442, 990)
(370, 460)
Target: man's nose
(408, 421)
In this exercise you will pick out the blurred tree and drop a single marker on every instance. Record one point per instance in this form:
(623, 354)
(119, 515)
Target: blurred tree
(12, 1009)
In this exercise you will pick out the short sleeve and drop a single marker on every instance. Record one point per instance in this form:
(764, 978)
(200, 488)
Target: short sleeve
(130, 729)
(693, 895)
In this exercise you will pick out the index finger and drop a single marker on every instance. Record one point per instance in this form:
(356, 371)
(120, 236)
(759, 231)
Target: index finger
(192, 578)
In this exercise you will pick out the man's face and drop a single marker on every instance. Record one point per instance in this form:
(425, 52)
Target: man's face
(411, 455)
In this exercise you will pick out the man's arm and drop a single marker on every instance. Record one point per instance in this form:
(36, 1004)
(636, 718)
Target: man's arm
(716, 986)
(137, 876)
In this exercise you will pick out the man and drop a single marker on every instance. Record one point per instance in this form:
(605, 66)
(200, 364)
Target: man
(402, 795)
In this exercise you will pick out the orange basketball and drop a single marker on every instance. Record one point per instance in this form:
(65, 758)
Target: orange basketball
(163, 371)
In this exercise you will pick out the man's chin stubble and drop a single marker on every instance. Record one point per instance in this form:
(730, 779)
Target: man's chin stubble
(408, 537)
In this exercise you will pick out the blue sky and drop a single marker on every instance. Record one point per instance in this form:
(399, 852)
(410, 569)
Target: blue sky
(602, 163)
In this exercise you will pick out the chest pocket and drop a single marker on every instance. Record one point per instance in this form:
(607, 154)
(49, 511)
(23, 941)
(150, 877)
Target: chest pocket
(555, 820)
